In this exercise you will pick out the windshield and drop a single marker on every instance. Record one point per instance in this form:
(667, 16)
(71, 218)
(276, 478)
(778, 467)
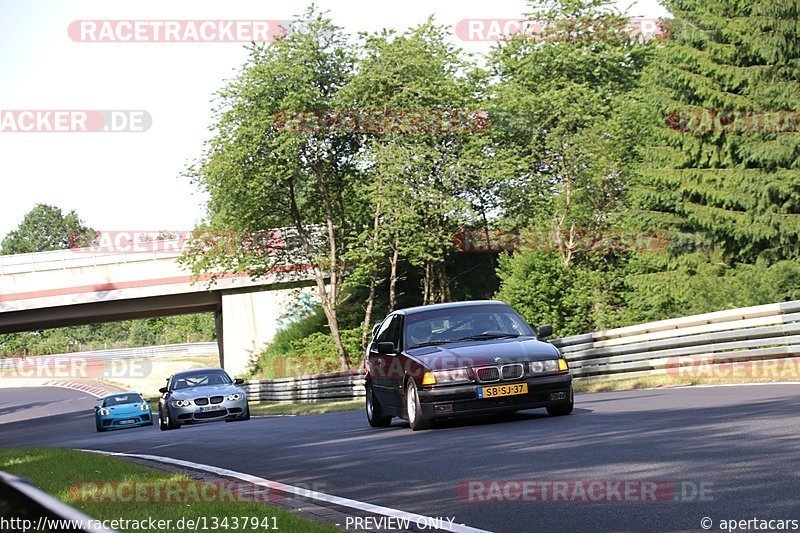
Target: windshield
(200, 379)
(464, 323)
(122, 399)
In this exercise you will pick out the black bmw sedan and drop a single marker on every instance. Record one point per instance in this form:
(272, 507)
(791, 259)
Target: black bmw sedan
(466, 358)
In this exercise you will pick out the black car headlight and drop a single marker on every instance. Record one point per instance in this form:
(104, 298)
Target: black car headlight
(181, 403)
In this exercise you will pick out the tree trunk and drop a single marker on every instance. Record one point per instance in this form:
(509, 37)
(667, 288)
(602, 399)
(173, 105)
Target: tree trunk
(367, 325)
(426, 284)
(328, 297)
(393, 278)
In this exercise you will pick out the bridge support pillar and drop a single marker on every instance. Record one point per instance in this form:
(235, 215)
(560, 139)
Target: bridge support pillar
(249, 321)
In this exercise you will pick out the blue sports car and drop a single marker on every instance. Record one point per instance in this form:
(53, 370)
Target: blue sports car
(122, 410)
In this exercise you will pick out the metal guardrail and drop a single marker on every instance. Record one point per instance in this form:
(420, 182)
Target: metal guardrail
(698, 344)
(706, 344)
(165, 351)
(24, 507)
(320, 387)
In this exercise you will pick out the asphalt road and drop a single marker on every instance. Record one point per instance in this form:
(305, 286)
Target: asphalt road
(738, 444)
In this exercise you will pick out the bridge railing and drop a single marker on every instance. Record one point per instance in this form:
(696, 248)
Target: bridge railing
(749, 342)
(83, 257)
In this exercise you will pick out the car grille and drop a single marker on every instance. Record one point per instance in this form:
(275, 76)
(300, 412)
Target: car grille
(216, 399)
(488, 374)
(210, 414)
(512, 371)
(201, 401)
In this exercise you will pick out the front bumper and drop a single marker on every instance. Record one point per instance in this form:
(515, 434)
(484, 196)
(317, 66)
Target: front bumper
(195, 414)
(462, 400)
(131, 420)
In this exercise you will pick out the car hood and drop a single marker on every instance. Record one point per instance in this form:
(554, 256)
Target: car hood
(124, 408)
(207, 390)
(482, 353)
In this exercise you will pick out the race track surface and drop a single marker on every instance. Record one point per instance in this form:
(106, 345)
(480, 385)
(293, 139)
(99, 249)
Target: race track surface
(740, 445)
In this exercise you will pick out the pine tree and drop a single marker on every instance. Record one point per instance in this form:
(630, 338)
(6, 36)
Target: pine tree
(721, 169)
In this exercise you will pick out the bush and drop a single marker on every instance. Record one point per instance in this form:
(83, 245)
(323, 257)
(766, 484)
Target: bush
(577, 299)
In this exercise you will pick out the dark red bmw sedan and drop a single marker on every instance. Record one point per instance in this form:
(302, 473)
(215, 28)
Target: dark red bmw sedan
(466, 358)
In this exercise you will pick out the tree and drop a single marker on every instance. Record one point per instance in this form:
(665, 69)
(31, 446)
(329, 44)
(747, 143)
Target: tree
(416, 164)
(722, 168)
(562, 141)
(45, 228)
(275, 163)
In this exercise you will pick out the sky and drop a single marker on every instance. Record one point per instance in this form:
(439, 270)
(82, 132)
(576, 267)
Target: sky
(131, 181)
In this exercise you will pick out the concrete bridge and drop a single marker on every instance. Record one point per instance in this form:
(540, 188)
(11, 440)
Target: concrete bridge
(86, 286)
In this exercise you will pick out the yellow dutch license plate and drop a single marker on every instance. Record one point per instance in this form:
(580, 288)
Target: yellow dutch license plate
(495, 391)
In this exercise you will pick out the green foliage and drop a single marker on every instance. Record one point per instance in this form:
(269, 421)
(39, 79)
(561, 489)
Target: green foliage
(302, 349)
(565, 138)
(45, 228)
(578, 299)
(124, 334)
(736, 188)
(660, 286)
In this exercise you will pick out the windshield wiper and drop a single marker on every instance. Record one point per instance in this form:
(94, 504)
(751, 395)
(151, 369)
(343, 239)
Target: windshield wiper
(429, 343)
(487, 336)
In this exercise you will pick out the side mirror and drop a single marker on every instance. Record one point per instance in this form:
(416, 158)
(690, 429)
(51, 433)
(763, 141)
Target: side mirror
(96, 407)
(238, 381)
(163, 390)
(385, 348)
(544, 331)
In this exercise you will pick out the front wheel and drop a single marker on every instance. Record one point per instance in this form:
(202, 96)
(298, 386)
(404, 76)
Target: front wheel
(564, 408)
(165, 423)
(414, 409)
(375, 415)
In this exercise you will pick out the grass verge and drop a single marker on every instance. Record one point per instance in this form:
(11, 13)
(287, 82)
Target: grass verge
(62, 474)
(305, 408)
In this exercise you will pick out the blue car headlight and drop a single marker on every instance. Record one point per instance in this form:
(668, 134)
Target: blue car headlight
(144, 407)
(235, 396)
(104, 412)
(181, 403)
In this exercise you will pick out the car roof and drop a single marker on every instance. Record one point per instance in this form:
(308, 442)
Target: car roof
(195, 370)
(450, 305)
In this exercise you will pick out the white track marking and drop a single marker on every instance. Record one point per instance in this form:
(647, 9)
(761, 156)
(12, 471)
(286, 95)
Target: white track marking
(297, 491)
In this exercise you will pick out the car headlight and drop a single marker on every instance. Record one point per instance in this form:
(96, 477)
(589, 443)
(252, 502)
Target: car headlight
(181, 403)
(144, 407)
(535, 367)
(444, 377)
(104, 412)
(235, 396)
